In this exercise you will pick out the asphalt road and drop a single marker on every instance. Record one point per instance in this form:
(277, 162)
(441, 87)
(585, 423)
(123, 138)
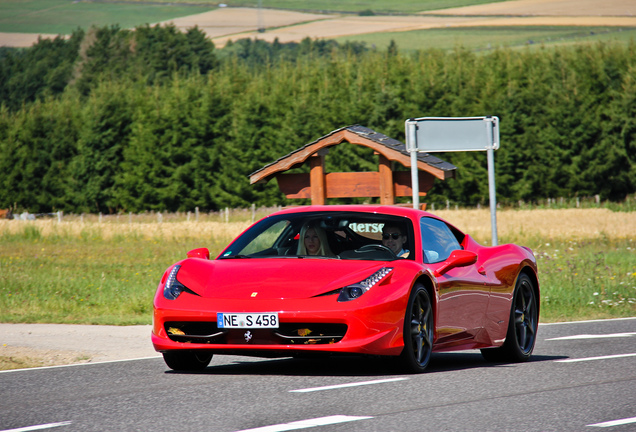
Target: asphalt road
(582, 376)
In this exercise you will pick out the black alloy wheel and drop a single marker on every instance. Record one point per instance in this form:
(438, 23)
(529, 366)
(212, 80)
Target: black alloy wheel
(522, 327)
(418, 331)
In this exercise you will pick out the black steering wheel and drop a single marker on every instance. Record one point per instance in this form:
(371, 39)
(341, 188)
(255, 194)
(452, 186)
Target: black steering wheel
(377, 247)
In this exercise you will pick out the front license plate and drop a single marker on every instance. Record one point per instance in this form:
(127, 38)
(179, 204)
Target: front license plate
(247, 320)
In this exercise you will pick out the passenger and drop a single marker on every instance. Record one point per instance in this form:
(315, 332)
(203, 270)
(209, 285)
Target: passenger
(394, 239)
(313, 241)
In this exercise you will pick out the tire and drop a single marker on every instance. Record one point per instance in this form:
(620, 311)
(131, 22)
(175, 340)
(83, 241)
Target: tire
(187, 360)
(522, 326)
(418, 331)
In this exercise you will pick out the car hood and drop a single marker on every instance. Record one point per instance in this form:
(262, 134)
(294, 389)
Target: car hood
(272, 278)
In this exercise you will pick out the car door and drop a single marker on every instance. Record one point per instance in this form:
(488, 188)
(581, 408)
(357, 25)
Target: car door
(462, 295)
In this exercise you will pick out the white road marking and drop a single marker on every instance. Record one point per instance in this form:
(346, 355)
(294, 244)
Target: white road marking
(337, 386)
(615, 422)
(77, 364)
(303, 424)
(587, 321)
(596, 358)
(38, 427)
(591, 336)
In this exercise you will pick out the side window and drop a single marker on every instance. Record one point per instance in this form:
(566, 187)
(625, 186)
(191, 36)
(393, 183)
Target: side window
(437, 240)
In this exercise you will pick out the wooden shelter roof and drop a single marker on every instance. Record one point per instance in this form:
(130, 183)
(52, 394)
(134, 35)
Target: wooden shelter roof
(390, 148)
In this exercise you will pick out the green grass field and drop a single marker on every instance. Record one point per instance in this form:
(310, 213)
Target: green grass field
(64, 16)
(488, 38)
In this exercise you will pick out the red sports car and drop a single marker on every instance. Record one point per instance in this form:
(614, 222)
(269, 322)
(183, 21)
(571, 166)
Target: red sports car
(375, 280)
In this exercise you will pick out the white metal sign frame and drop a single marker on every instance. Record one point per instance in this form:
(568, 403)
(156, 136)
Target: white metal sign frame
(444, 134)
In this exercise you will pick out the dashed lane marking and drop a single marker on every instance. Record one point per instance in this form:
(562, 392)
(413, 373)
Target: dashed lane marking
(594, 336)
(355, 384)
(304, 424)
(615, 422)
(38, 427)
(607, 357)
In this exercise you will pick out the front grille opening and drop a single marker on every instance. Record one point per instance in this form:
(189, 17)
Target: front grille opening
(286, 334)
(194, 331)
(311, 333)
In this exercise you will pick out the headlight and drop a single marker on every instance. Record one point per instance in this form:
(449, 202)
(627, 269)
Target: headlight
(354, 291)
(173, 287)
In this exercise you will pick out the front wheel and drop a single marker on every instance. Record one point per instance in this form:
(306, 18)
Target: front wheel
(418, 331)
(187, 360)
(522, 325)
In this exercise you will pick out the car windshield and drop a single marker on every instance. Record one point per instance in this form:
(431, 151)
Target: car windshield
(326, 235)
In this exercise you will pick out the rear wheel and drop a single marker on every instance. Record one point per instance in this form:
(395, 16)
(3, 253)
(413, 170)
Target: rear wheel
(522, 325)
(187, 360)
(418, 331)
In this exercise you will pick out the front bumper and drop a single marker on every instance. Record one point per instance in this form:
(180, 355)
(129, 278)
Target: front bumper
(318, 324)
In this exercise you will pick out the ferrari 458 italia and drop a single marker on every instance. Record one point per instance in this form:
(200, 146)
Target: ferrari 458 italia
(367, 280)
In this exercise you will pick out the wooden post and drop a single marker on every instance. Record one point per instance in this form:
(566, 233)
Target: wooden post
(387, 193)
(317, 179)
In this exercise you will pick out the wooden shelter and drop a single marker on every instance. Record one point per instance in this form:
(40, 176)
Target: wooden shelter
(384, 183)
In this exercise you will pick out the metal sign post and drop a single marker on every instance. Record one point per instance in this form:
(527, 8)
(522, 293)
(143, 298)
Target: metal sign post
(444, 134)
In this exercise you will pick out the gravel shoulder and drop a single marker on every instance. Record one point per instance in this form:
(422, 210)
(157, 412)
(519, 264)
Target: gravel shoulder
(34, 345)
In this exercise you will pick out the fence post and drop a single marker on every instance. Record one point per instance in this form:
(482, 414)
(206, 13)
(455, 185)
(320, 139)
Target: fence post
(159, 217)
(253, 212)
(196, 212)
(59, 216)
(100, 217)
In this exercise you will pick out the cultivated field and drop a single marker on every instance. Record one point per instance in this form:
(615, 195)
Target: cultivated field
(587, 13)
(223, 24)
(607, 8)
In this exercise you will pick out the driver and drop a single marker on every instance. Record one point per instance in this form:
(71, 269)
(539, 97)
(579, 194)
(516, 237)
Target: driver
(394, 239)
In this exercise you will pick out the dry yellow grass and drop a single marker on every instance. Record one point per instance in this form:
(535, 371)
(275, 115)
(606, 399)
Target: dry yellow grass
(558, 224)
(513, 225)
(218, 231)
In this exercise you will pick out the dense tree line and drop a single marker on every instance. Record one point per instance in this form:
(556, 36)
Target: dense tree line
(153, 119)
